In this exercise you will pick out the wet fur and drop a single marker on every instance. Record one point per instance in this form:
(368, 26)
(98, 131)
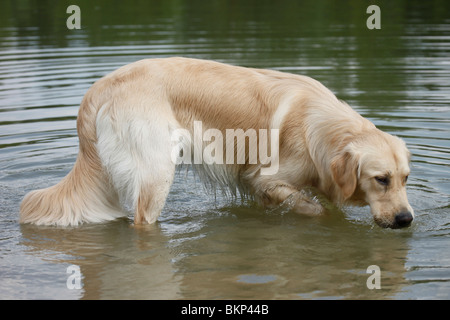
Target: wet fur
(127, 118)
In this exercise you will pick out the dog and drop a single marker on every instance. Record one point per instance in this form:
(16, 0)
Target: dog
(135, 124)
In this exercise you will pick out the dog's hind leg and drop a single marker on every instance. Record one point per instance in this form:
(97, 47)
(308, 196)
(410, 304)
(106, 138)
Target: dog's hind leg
(135, 150)
(153, 178)
(152, 196)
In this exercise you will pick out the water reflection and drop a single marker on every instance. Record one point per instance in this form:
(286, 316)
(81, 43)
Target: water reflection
(226, 255)
(116, 260)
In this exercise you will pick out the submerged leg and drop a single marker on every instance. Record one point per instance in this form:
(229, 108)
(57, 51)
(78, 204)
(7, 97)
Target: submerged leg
(152, 196)
(135, 149)
(298, 201)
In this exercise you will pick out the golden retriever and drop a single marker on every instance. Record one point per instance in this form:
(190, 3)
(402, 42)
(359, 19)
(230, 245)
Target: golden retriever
(137, 123)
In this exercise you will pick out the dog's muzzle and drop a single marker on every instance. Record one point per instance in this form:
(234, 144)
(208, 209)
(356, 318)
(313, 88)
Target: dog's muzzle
(403, 219)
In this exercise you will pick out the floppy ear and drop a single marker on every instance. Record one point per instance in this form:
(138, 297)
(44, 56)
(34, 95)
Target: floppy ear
(344, 169)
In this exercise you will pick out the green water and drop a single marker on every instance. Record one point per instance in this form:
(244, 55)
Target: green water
(205, 246)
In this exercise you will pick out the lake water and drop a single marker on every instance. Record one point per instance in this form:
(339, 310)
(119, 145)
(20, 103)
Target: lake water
(205, 246)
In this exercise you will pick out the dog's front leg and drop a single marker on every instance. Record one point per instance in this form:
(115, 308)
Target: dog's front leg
(298, 201)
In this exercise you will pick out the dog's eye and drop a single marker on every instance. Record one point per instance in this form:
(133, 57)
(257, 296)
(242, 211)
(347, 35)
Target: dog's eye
(383, 180)
(406, 179)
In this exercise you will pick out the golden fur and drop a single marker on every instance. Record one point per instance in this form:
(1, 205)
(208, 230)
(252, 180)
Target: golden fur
(127, 119)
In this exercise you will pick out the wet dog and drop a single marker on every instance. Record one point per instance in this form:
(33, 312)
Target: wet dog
(137, 123)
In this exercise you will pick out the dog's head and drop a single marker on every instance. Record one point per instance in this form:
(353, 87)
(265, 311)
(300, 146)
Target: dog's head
(374, 170)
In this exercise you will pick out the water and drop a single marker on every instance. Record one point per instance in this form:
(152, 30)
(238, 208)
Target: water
(205, 246)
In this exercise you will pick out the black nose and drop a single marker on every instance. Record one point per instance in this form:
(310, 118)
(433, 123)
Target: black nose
(403, 219)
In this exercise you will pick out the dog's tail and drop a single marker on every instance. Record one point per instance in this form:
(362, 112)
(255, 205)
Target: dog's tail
(80, 197)
(85, 194)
